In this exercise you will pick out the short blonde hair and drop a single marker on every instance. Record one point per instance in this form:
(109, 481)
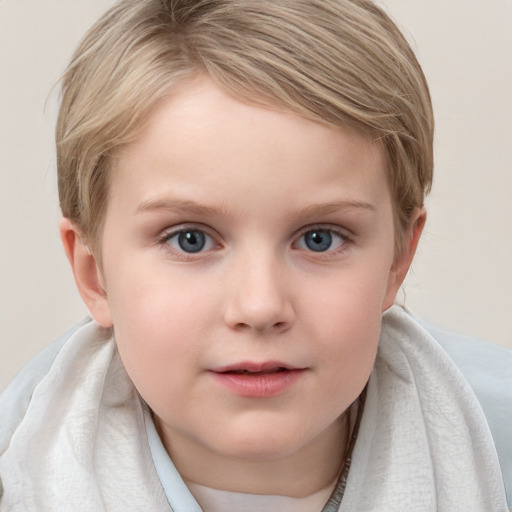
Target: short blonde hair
(343, 63)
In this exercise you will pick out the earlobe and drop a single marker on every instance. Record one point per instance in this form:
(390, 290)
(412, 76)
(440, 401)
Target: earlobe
(403, 260)
(86, 272)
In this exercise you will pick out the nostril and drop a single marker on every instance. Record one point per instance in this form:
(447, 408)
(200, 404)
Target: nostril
(278, 326)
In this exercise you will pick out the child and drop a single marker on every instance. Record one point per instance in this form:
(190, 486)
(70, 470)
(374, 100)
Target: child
(242, 189)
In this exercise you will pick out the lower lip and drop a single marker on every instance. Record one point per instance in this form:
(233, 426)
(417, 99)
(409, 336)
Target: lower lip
(260, 385)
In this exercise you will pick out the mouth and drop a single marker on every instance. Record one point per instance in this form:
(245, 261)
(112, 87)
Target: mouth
(252, 368)
(257, 380)
(263, 372)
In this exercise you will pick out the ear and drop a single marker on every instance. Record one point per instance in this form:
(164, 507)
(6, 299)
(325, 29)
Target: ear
(87, 273)
(404, 258)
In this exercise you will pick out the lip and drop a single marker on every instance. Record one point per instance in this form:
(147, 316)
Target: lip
(257, 379)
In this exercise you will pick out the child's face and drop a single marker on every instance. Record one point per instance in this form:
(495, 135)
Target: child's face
(247, 257)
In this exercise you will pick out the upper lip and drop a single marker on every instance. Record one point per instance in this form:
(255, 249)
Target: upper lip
(255, 367)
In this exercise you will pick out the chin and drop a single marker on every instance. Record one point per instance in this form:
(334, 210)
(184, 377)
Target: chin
(260, 445)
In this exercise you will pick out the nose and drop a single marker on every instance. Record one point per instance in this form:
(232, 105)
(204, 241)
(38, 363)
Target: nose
(259, 297)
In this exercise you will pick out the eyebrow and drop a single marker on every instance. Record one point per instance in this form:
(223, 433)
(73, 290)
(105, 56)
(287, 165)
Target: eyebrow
(190, 207)
(178, 206)
(327, 208)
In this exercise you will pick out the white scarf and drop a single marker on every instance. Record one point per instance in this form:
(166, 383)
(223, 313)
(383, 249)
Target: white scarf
(423, 443)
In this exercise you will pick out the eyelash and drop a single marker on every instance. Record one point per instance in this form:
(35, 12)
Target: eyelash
(165, 238)
(342, 234)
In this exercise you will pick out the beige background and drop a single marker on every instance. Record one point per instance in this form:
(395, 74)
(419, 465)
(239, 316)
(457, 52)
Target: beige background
(462, 278)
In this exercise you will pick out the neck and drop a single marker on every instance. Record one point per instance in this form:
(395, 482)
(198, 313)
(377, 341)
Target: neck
(309, 469)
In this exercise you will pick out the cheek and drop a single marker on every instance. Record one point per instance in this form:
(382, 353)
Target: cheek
(346, 322)
(149, 298)
(158, 326)
(350, 347)
(348, 299)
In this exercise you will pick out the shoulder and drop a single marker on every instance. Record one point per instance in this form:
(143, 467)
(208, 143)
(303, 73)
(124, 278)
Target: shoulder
(488, 370)
(15, 399)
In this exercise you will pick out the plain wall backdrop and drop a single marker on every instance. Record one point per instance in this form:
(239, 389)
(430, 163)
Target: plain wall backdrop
(462, 276)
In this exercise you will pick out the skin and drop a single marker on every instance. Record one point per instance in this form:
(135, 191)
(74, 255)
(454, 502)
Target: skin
(255, 181)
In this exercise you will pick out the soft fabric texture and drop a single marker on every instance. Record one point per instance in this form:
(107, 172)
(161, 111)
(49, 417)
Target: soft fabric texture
(73, 435)
(81, 445)
(488, 370)
(424, 443)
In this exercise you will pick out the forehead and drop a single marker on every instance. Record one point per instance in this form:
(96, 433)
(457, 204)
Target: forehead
(200, 142)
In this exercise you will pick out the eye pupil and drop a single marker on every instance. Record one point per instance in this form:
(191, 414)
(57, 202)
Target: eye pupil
(191, 241)
(318, 240)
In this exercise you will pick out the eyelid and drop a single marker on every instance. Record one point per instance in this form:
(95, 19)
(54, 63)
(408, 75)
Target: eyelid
(187, 226)
(343, 232)
(168, 233)
(337, 230)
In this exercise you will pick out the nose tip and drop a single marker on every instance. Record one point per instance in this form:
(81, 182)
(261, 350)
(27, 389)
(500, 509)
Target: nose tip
(260, 304)
(247, 314)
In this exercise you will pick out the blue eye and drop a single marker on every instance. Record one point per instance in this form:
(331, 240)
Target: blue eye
(320, 240)
(190, 241)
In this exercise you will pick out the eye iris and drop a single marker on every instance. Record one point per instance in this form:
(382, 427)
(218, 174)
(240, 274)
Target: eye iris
(319, 240)
(192, 241)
